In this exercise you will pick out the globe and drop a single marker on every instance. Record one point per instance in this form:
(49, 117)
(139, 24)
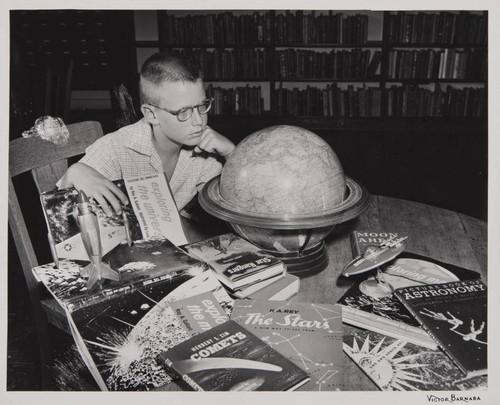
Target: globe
(284, 189)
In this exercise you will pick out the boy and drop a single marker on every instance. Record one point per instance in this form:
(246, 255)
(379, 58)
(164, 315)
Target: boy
(170, 138)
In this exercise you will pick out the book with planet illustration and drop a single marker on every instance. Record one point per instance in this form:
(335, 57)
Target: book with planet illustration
(151, 213)
(119, 333)
(370, 304)
(229, 357)
(308, 334)
(396, 365)
(455, 316)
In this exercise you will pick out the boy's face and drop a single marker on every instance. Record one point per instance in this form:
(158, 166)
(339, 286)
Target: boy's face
(174, 96)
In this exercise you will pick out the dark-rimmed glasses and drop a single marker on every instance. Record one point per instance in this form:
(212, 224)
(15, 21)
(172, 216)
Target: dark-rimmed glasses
(186, 112)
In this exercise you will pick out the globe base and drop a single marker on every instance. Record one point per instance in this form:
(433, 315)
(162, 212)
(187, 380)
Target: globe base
(306, 263)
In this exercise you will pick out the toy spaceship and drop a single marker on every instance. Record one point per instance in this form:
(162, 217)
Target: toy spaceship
(96, 271)
(375, 255)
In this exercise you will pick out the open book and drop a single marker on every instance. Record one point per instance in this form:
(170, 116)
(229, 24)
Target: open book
(120, 329)
(152, 213)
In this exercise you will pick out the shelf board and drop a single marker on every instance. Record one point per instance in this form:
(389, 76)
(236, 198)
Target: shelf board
(431, 81)
(253, 122)
(369, 44)
(330, 80)
(431, 45)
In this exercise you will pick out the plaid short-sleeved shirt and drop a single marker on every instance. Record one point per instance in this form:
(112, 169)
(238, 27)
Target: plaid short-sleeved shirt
(129, 152)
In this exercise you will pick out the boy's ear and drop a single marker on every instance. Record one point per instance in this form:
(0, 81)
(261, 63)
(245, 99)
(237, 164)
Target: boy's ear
(149, 113)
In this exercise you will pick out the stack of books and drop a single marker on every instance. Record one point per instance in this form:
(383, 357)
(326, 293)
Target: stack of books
(245, 269)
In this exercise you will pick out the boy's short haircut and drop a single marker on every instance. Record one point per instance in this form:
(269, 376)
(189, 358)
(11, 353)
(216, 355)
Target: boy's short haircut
(166, 67)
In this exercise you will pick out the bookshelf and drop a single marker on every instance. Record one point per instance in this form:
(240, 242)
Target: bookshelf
(351, 64)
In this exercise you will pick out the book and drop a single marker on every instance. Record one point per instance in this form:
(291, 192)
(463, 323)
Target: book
(385, 314)
(236, 261)
(280, 290)
(152, 213)
(199, 313)
(308, 334)
(228, 357)
(120, 329)
(245, 291)
(360, 240)
(455, 315)
(145, 262)
(396, 365)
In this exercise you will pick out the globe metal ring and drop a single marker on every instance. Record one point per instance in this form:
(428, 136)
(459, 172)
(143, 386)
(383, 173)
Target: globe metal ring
(356, 201)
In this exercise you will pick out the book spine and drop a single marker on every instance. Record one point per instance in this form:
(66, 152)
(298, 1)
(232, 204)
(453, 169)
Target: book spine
(415, 314)
(81, 302)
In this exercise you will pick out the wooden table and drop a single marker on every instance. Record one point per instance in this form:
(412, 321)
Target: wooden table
(441, 234)
(434, 232)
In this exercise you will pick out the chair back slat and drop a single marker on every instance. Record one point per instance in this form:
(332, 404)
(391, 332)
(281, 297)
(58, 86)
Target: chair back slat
(47, 176)
(30, 153)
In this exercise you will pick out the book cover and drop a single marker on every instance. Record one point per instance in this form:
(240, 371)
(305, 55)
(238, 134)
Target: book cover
(281, 290)
(236, 261)
(199, 313)
(360, 240)
(308, 334)
(455, 315)
(230, 358)
(385, 314)
(152, 213)
(396, 365)
(120, 338)
(145, 262)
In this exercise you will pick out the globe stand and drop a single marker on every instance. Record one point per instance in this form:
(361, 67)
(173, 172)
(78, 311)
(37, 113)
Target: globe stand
(306, 263)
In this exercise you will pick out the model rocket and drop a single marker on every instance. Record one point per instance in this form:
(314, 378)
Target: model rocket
(96, 271)
(374, 256)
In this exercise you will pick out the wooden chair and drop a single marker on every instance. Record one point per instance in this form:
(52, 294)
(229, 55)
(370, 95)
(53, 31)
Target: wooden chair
(47, 163)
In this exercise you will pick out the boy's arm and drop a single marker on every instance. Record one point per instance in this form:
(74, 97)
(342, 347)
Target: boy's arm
(212, 141)
(96, 186)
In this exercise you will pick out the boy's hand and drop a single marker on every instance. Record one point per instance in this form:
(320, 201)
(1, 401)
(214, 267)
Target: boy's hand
(212, 141)
(95, 186)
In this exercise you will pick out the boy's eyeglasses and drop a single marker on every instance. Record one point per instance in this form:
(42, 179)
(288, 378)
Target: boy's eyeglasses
(185, 113)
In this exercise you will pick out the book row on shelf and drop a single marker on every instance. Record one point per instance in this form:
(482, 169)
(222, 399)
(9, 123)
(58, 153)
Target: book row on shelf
(438, 64)
(236, 101)
(331, 28)
(334, 64)
(235, 64)
(223, 28)
(313, 27)
(414, 101)
(437, 28)
(330, 102)
(364, 101)
(252, 64)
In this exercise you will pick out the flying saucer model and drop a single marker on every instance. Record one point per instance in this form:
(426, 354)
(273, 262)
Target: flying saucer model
(283, 188)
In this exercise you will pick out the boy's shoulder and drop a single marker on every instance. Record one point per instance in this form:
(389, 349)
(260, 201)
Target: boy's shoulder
(137, 132)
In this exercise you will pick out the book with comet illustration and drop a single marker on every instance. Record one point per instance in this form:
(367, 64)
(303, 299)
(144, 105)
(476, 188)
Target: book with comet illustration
(151, 213)
(229, 357)
(308, 334)
(119, 337)
(396, 365)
